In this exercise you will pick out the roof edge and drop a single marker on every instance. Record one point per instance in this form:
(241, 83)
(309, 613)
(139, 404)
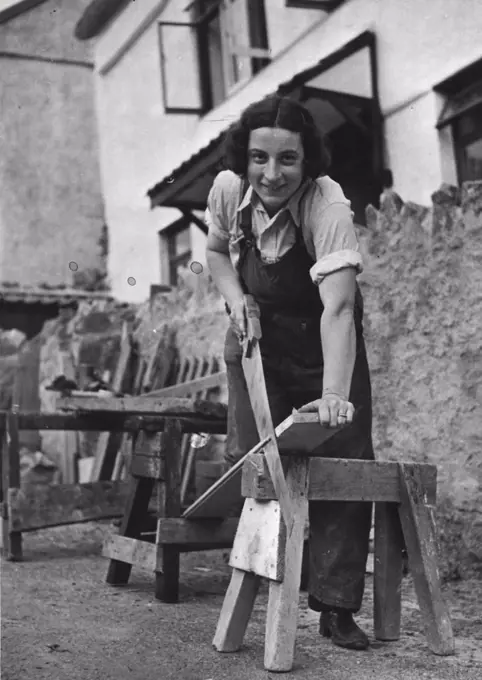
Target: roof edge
(97, 15)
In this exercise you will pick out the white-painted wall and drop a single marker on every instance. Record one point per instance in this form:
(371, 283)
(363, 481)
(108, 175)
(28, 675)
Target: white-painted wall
(419, 44)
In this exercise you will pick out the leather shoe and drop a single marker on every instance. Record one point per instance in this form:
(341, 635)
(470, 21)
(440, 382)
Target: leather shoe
(344, 632)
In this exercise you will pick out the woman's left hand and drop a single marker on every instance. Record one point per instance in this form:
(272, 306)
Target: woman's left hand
(333, 410)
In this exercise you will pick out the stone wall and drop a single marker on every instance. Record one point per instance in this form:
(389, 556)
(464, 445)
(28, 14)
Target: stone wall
(423, 294)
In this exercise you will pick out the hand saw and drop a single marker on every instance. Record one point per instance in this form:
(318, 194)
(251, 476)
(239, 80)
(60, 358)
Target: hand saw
(253, 372)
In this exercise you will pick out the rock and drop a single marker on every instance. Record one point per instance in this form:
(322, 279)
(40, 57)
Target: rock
(11, 341)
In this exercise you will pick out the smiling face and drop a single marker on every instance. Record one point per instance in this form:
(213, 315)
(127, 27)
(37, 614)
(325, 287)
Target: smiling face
(275, 165)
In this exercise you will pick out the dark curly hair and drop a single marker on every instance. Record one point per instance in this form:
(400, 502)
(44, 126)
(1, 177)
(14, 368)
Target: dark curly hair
(276, 112)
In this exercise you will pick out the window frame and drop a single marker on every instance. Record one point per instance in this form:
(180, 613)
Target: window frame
(170, 261)
(258, 51)
(462, 94)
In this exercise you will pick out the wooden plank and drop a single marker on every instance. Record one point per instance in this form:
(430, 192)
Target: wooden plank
(125, 446)
(58, 504)
(387, 577)
(282, 612)
(131, 551)
(236, 611)
(167, 581)
(176, 530)
(12, 538)
(108, 443)
(26, 389)
(258, 395)
(418, 524)
(149, 373)
(171, 406)
(189, 452)
(102, 421)
(338, 479)
(260, 540)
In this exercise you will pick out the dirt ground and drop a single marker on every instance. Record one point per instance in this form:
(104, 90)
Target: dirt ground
(61, 621)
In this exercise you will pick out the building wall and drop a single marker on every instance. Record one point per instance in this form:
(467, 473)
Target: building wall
(417, 48)
(51, 208)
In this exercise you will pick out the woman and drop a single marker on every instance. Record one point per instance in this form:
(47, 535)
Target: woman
(282, 231)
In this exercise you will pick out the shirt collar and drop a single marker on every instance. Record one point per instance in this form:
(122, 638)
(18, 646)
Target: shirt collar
(293, 205)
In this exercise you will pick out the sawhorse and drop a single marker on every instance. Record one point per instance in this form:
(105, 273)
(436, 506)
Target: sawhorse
(156, 461)
(404, 495)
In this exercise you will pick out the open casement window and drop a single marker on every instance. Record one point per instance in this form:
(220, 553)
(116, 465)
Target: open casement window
(204, 60)
(463, 112)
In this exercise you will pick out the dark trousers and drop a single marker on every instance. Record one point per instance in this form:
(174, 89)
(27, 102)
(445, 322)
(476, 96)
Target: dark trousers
(339, 531)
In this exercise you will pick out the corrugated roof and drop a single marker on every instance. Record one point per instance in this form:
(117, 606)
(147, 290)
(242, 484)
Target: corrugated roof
(48, 296)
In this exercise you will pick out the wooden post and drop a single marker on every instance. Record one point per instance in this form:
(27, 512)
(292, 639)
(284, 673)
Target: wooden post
(387, 578)
(419, 530)
(167, 580)
(12, 540)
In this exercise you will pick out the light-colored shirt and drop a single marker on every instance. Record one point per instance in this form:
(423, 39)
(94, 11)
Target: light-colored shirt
(319, 207)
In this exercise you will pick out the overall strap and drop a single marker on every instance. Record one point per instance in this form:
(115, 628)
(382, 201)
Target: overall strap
(245, 222)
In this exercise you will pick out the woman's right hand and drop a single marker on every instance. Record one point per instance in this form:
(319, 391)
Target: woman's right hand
(237, 318)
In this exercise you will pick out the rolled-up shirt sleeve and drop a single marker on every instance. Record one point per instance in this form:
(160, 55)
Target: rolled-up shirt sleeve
(335, 242)
(215, 216)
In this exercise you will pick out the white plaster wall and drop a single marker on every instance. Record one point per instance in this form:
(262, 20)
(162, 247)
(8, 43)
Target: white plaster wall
(419, 44)
(413, 151)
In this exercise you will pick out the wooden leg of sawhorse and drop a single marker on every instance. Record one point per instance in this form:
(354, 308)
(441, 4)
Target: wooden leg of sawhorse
(387, 580)
(236, 611)
(167, 580)
(282, 613)
(10, 479)
(135, 513)
(419, 530)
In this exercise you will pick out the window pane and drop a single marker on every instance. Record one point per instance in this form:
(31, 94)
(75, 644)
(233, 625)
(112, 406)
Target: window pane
(216, 60)
(468, 140)
(180, 71)
(182, 241)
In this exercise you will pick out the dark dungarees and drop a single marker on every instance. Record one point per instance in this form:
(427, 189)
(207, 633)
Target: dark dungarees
(293, 365)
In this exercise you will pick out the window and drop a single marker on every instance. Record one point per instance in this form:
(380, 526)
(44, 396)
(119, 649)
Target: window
(175, 250)
(467, 133)
(463, 113)
(225, 45)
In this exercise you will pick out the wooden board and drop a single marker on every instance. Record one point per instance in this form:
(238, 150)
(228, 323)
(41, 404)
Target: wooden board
(109, 442)
(258, 395)
(117, 421)
(191, 387)
(142, 404)
(178, 531)
(339, 479)
(217, 500)
(260, 540)
(131, 551)
(59, 504)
